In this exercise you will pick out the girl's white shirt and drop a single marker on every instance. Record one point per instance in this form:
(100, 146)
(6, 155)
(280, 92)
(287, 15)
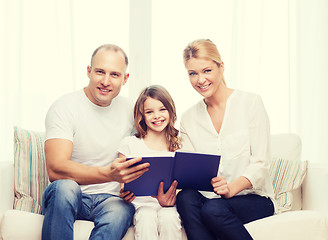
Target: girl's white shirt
(132, 146)
(243, 141)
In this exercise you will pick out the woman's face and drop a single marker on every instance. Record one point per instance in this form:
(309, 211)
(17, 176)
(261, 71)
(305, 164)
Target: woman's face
(205, 75)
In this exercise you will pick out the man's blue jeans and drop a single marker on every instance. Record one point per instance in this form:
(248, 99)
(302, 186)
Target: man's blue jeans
(219, 218)
(63, 203)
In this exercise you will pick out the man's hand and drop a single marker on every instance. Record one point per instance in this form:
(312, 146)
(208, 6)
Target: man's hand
(120, 170)
(167, 199)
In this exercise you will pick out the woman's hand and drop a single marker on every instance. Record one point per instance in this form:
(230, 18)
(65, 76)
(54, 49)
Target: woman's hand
(220, 186)
(167, 199)
(126, 196)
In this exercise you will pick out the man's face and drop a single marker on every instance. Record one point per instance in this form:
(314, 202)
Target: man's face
(107, 76)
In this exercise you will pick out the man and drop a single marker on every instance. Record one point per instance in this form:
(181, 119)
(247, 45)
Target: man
(83, 130)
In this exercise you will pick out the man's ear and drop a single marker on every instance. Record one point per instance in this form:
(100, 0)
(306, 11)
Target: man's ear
(126, 76)
(89, 70)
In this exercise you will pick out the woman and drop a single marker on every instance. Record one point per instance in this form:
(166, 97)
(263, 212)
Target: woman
(233, 124)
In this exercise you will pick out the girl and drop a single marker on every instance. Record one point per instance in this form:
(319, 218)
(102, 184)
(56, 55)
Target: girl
(154, 117)
(233, 124)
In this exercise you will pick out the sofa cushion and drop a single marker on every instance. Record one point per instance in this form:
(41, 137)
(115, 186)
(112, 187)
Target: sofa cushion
(286, 176)
(31, 177)
(300, 225)
(14, 219)
(287, 171)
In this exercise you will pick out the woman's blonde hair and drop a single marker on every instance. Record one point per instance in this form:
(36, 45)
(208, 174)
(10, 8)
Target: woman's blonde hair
(161, 94)
(202, 48)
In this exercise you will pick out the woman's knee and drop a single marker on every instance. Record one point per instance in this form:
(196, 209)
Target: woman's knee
(187, 196)
(215, 209)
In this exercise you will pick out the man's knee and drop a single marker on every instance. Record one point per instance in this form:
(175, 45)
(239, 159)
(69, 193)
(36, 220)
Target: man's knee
(62, 191)
(114, 208)
(120, 205)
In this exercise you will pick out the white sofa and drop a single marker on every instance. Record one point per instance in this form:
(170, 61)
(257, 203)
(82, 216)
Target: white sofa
(303, 203)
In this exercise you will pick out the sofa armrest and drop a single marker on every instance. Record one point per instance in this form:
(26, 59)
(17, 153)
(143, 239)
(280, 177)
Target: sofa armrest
(6, 187)
(314, 188)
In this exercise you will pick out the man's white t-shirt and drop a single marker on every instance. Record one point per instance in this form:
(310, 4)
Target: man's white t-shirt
(94, 130)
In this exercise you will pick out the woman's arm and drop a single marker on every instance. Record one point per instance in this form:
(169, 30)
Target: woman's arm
(259, 136)
(228, 190)
(258, 163)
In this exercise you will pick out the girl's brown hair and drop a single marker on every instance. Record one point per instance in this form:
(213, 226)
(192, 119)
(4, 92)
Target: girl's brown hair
(161, 94)
(202, 48)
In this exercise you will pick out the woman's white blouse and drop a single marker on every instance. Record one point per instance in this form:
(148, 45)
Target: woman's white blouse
(243, 140)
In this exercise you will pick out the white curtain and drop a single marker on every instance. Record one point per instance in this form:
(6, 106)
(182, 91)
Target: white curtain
(309, 73)
(277, 49)
(45, 49)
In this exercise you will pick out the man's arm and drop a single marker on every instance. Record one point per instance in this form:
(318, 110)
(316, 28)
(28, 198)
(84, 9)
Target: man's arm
(60, 166)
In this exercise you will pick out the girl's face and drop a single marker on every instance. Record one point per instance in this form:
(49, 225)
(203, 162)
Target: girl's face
(205, 75)
(156, 115)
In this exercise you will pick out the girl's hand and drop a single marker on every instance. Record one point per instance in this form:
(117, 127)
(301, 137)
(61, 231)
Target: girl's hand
(220, 186)
(167, 199)
(127, 196)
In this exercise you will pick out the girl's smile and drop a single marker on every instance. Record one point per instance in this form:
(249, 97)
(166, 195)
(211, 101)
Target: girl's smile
(156, 115)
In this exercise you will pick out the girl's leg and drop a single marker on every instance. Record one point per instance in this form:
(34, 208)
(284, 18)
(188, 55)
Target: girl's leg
(189, 204)
(169, 223)
(145, 223)
(226, 217)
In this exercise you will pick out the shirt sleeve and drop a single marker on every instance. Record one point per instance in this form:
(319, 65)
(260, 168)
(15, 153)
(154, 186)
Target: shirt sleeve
(186, 144)
(124, 146)
(59, 122)
(259, 135)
